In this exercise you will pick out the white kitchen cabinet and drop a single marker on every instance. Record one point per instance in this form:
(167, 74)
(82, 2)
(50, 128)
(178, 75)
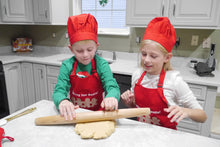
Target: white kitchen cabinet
(55, 12)
(182, 13)
(17, 11)
(0, 15)
(51, 82)
(51, 11)
(206, 95)
(194, 12)
(42, 10)
(14, 86)
(28, 83)
(52, 74)
(140, 12)
(40, 81)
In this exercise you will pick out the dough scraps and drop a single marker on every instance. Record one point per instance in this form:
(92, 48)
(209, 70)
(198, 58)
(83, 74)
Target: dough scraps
(95, 130)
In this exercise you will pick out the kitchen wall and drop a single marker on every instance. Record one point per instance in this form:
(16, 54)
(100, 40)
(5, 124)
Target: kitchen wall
(42, 35)
(7, 32)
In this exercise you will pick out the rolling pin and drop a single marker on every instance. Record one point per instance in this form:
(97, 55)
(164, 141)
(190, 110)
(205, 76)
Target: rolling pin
(93, 116)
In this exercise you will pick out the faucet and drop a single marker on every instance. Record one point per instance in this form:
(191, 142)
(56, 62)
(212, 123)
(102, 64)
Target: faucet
(114, 55)
(99, 53)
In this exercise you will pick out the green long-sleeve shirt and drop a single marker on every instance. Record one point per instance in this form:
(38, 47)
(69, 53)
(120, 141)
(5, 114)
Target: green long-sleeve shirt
(63, 85)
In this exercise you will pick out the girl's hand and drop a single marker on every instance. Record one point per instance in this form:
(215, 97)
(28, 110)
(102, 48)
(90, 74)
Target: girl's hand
(178, 113)
(110, 103)
(67, 109)
(128, 98)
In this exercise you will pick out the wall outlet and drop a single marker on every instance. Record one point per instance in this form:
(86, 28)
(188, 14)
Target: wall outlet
(54, 35)
(195, 40)
(206, 42)
(66, 36)
(138, 39)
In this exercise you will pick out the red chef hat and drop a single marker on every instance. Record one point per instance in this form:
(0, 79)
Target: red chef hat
(161, 30)
(82, 27)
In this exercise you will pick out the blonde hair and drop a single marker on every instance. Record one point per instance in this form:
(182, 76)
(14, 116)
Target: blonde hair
(167, 66)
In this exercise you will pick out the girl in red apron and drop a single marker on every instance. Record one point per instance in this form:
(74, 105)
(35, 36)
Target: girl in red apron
(86, 75)
(155, 100)
(158, 41)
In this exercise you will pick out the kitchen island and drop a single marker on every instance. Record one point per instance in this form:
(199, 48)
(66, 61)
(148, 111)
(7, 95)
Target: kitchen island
(128, 133)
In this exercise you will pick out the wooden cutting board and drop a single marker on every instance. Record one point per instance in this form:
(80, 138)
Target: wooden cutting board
(93, 116)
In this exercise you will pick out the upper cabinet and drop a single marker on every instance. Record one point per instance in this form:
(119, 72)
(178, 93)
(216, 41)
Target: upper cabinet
(51, 11)
(54, 12)
(182, 13)
(16, 11)
(194, 12)
(140, 12)
(42, 11)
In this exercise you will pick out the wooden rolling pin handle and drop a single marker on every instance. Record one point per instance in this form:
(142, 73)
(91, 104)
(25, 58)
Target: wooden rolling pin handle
(93, 116)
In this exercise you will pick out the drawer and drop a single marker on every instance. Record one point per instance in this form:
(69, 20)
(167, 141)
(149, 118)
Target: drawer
(187, 123)
(190, 124)
(187, 130)
(199, 91)
(53, 70)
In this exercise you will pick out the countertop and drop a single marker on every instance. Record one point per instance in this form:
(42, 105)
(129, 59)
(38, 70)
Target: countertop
(127, 133)
(125, 63)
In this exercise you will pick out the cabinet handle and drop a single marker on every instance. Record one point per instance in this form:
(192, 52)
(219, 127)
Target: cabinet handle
(13, 67)
(5, 11)
(163, 10)
(41, 73)
(46, 13)
(174, 9)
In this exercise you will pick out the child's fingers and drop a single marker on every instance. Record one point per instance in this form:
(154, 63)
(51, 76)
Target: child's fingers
(177, 113)
(169, 109)
(110, 103)
(125, 94)
(180, 118)
(102, 104)
(67, 109)
(72, 113)
(176, 116)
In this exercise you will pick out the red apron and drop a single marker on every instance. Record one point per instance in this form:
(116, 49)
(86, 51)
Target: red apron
(155, 100)
(86, 92)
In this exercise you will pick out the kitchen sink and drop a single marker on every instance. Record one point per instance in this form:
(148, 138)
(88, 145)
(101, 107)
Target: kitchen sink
(110, 61)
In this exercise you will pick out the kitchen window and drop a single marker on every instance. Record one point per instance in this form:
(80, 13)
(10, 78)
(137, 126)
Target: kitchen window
(110, 15)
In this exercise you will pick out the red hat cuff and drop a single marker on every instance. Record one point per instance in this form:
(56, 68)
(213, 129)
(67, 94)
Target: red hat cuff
(82, 36)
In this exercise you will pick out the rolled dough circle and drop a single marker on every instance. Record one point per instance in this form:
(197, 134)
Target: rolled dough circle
(95, 130)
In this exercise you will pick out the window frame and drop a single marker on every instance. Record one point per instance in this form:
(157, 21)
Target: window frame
(107, 31)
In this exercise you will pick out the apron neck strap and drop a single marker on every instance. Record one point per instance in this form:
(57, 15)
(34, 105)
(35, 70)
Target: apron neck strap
(93, 65)
(141, 78)
(75, 66)
(161, 79)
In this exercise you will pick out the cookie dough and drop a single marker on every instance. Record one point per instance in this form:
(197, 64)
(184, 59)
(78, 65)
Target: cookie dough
(95, 130)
